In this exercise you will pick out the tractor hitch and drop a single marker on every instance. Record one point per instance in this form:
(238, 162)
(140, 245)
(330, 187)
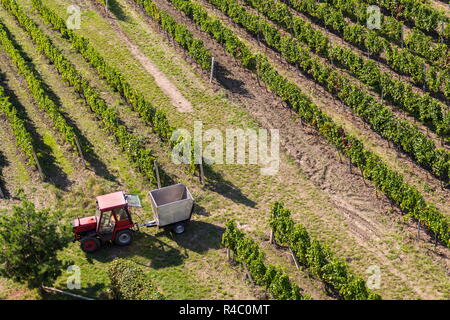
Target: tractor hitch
(149, 224)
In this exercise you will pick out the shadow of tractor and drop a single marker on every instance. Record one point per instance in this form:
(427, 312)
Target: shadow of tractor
(163, 249)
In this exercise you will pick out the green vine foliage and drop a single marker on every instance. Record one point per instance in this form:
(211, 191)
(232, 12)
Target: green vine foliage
(424, 108)
(401, 60)
(420, 13)
(416, 41)
(407, 197)
(37, 87)
(132, 145)
(148, 112)
(379, 116)
(391, 29)
(179, 33)
(247, 252)
(316, 257)
(23, 138)
(129, 282)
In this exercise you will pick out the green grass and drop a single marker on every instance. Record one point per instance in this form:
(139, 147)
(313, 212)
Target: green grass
(193, 266)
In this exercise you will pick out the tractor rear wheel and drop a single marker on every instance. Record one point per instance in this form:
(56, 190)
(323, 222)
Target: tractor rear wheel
(124, 238)
(89, 244)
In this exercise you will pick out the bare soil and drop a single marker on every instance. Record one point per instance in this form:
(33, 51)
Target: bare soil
(398, 160)
(355, 198)
(169, 89)
(331, 201)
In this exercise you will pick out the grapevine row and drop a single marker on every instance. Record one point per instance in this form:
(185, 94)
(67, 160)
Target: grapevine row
(424, 108)
(155, 117)
(380, 117)
(420, 13)
(407, 197)
(400, 60)
(37, 87)
(316, 257)
(133, 147)
(391, 29)
(24, 139)
(247, 253)
(178, 32)
(2, 164)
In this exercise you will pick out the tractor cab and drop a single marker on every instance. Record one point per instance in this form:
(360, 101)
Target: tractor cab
(112, 222)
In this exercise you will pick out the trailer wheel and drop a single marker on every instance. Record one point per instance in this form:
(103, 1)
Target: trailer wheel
(89, 244)
(124, 238)
(178, 228)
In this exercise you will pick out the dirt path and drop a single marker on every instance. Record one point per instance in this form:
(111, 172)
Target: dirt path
(336, 40)
(343, 115)
(364, 213)
(365, 226)
(169, 89)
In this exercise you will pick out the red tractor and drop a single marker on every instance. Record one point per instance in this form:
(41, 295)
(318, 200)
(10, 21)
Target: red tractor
(172, 206)
(112, 222)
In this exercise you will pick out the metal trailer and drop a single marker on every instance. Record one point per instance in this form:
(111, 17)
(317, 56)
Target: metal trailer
(172, 206)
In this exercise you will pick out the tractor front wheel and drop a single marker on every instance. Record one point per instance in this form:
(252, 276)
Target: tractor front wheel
(124, 238)
(89, 244)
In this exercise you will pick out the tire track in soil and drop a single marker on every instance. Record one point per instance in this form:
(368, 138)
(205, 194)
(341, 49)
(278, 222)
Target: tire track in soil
(167, 87)
(361, 208)
(379, 60)
(413, 174)
(336, 40)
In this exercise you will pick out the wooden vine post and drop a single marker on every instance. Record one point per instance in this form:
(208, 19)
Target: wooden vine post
(402, 35)
(424, 76)
(202, 173)
(212, 70)
(362, 174)
(38, 166)
(247, 273)
(294, 258)
(257, 35)
(257, 73)
(80, 151)
(155, 167)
